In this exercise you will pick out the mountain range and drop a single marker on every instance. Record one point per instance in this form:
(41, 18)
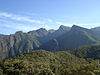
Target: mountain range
(64, 38)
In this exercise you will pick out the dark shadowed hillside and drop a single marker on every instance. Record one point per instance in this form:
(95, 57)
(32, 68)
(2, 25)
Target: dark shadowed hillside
(89, 51)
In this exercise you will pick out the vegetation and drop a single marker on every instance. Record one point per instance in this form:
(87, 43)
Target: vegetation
(42, 62)
(88, 51)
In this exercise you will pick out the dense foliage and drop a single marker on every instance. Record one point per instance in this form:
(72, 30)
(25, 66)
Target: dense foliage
(88, 51)
(47, 63)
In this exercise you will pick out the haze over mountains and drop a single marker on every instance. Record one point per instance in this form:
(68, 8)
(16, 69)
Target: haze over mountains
(65, 38)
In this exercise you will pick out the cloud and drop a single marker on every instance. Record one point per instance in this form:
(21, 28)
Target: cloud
(75, 17)
(62, 23)
(26, 28)
(20, 18)
(65, 16)
(46, 26)
(27, 23)
(50, 20)
(24, 23)
(16, 26)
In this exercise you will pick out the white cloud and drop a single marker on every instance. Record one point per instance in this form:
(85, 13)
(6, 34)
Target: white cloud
(17, 26)
(25, 28)
(20, 18)
(50, 20)
(62, 23)
(14, 21)
(75, 17)
(46, 26)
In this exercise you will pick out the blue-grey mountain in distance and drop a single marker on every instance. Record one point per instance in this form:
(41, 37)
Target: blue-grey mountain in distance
(65, 38)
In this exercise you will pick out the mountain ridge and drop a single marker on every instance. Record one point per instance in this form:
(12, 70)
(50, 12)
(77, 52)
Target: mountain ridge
(65, 38)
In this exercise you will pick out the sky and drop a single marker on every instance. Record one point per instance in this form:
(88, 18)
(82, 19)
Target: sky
(28, 15)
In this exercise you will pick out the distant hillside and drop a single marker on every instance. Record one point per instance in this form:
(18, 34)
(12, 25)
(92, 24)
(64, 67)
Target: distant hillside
(96, 32)
(97, 29)
(15, 44)
(89, 51)
(2, 36)
(64, 38)
(76, 37)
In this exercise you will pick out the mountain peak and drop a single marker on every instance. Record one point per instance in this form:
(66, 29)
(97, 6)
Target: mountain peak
(42, 29)
(75, 27)
(96, 29)
(62, 27)
(19, 32)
